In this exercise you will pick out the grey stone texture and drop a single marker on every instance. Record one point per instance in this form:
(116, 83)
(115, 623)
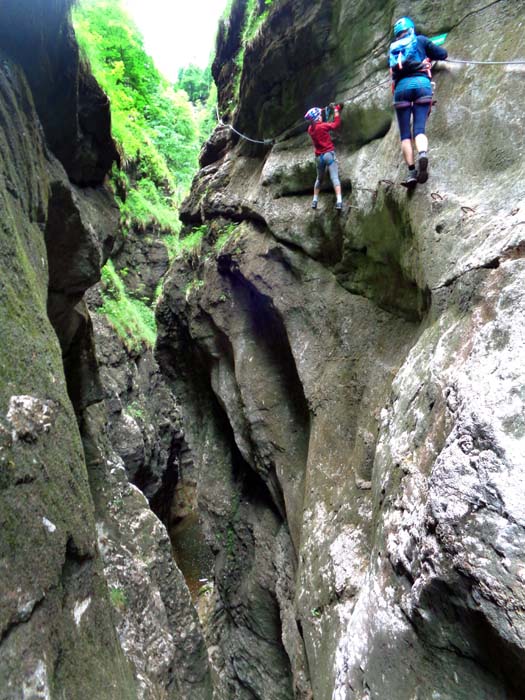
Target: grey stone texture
(352, 387)
(91, 602)
(56, 629)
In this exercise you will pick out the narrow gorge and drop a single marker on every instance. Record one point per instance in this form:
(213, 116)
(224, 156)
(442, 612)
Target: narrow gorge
(312, 487)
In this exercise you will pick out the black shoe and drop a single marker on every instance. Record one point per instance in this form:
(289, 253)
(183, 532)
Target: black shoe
(422, 169)
(339, 206)
(314, 204)
(411, 180)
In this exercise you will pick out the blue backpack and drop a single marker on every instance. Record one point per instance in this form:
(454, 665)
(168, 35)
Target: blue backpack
(405, 57)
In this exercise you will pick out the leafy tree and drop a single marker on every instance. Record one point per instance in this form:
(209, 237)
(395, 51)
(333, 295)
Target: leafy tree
(196, 82)
(154, 125)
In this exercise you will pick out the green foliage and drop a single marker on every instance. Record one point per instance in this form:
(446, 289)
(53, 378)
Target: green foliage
(225, 234)
(115, 50)
(230, 531)
(190, 244)
(230, 541)
(132, 319)
(135, 410)
(196, 82)
(254, 18)
(156, 127)
(146, 205)
(158, 291)
(227, 10)
(118, 598)
(159, 129)
(239, 62)
(187, 246)
(154, 124)
(176, 135)
(172, 244)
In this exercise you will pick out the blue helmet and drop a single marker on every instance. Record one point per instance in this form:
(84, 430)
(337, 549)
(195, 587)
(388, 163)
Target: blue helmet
(402, 25)
(313, 114)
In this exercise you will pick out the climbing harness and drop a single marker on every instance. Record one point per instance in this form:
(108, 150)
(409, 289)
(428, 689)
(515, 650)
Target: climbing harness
(424, 100)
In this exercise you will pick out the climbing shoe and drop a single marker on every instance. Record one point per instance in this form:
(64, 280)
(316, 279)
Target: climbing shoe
(339, 206)
(314, 204)
(422, 168)
(411, 180)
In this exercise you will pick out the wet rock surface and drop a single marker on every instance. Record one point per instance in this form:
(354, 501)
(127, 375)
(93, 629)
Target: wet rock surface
(352, 387)
(72, 108)
(91, 602)
(157, 625)
(56, 629)
(141, 257)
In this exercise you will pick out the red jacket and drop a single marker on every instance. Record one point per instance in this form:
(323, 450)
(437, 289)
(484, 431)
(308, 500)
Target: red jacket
(320, 135)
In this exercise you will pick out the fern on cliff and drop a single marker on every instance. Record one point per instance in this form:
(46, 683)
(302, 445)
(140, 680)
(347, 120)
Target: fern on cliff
(145, 206)
(132, 319)
(255, 15)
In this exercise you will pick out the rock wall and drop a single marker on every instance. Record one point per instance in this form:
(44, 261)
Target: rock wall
(352, 387)
(57, 632)
(91, 603)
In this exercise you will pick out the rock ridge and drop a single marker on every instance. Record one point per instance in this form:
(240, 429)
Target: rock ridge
(365, 368)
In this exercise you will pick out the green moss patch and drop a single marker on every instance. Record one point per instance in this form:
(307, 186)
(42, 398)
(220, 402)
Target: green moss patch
(132, 319)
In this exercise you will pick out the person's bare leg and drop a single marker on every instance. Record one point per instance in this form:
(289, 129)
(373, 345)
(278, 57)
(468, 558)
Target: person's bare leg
(422, 160)
(408, 151)
(408, 154)
(338, 197)
(317, 189)
(421, 143)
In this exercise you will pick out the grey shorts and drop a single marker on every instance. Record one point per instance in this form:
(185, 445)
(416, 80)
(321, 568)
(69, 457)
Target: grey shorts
(327, 161)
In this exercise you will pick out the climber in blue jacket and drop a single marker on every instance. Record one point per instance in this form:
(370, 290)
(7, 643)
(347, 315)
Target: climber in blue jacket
(410, 58)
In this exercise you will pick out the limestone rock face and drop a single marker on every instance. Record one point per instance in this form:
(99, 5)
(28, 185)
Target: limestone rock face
(57, 633)
(91, 602)
(72, 108)
(145, 428)
(352, 387)
(156, 622)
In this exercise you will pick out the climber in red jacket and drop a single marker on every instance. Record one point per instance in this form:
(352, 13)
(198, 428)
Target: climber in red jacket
(324, 151)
